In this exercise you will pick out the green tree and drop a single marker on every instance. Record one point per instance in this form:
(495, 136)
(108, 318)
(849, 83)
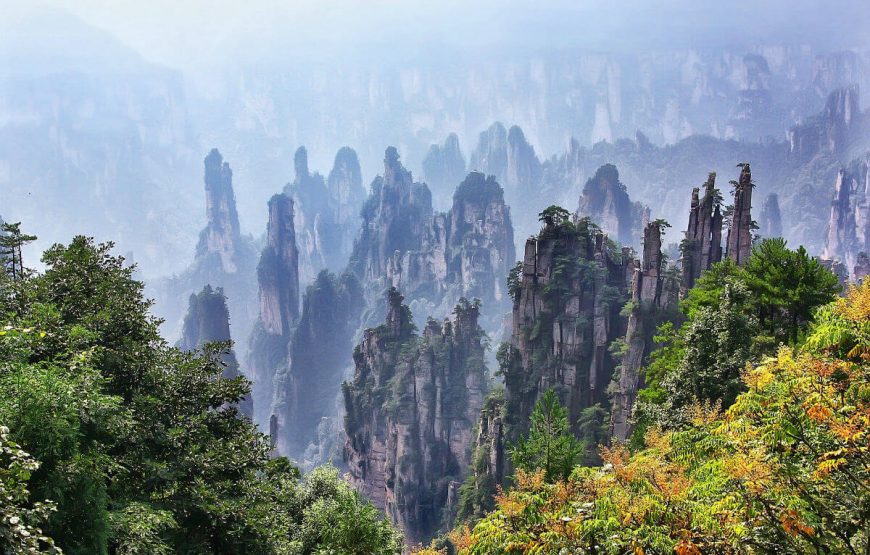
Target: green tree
(787, 286)
(11, 241)
(550, 445)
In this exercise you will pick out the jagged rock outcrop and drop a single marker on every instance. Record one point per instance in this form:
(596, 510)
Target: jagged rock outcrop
(508, 156)
(606, 201)
(770, 220)
(208, 321)
(444, 168)
(410, 413)
(488, 461)
(848, 231)
(831, 131)
(650, 296)
(306, 403)
(740, 231)
(862, 267)
(435, 258)
(567, 296)
(397, 217)
(702, 245)
(326, 212)
(278, 279)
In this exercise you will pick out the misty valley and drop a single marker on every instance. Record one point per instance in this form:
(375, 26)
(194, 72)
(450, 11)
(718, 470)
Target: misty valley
(597, 299)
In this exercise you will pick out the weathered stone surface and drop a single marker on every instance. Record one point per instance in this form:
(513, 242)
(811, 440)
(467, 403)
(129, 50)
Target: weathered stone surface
(223, 258)
(848, 230)
(435, 258)
(221, 235)
(567, 297)
(650, 298)
(278, 278)
(326, 212)
(740, 231)
(702, 245)
(208, 321)
(830, 131)
(410, 413)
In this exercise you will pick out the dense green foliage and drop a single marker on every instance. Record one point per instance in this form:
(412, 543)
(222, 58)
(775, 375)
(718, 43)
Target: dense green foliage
(549, 445)
(734, 316)
(140, 447)
(784, 470)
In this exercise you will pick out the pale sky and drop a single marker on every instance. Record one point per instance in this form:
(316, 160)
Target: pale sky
(181, 33)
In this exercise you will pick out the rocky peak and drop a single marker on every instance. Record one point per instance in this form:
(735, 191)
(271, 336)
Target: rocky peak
(567, 296)
(208, 321)
(300, 163)
(278, 270)
(491, 154)
(345, 187)
(222, 234)
(649, 300)
(411, 408)
(848, 231)
(740, 231)
(444, 167)
(523, 166)
(397, 218)
(770, 220)
(605, 200)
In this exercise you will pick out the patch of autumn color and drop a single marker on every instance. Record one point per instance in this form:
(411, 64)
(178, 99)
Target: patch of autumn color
(785, 469)
(686, 547)
(461, 538)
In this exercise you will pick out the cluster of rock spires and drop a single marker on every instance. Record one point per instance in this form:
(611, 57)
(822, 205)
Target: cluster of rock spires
(410, 413)
(702, 245)
(847, 237)
(434, 258)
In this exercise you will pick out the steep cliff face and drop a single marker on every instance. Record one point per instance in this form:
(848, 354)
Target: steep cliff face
(651, 296)
(410, 413)
(606, 202)
(397, 218)
(208, 321)
(702, 245)
(443, 169)
(831, 131)
(847, 236)
(315, 225)
(567, 296)
(770, 220)
(278, 279)
(740, 230)
(306, 403)
(221, 235)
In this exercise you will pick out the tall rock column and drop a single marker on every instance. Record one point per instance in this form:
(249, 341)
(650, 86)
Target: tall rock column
(278, 278)
(222, 235)
(647, 300)
(740, 232)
